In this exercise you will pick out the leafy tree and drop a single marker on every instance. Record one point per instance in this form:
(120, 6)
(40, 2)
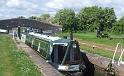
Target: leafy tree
(21, 17)
(66, 18)
(119, 26)
(90, 18)
(45, 17)
(52, 20)
(107, 19)
(38, 19)
(33, 17)
(87, 18)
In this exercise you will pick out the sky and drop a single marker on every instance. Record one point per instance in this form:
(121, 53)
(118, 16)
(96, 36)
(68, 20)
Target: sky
(14, 8)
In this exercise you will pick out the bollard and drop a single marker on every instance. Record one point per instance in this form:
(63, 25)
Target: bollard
(19, 32)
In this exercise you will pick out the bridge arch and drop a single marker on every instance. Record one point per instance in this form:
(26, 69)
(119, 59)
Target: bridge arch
(13, 23)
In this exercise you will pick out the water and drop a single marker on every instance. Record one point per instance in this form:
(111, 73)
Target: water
(100, 72)
(92, 69)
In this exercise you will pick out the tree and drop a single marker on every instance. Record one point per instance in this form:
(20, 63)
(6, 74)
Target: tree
(33, 17)
(107, 19)
(21, 17)
(119, 26)
(87, 18)
(51, 20)
(90, 18)
(45, 17)
(66, 18)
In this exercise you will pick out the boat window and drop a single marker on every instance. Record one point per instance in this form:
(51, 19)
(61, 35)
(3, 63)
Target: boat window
(73, 56)
(58, 53)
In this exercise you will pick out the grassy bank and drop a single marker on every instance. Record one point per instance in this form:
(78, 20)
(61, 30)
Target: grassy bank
(104, 53)
(91, 37)
(14, 62)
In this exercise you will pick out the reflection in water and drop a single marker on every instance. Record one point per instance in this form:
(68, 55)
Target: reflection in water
(91, 69)
(98, 71)
(89, 66)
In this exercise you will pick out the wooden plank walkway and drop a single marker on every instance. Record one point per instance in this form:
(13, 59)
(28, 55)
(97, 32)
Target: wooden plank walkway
(45, 68)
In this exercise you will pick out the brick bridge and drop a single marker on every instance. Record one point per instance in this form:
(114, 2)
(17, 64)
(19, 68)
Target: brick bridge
(13, 23)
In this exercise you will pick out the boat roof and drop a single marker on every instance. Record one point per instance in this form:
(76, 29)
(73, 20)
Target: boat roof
(62, 41)
(45, 37)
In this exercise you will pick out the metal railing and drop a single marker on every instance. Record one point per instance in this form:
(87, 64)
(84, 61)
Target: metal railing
(121, 50)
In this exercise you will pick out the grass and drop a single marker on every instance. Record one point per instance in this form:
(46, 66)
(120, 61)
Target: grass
(104, 53)
(91, 38)
(14, 62)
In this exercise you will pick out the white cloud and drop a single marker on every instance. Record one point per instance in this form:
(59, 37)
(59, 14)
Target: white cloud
(118, 7)
(103, 1)
(78, 4)
(119, 13)
(37, 7)
(13, 3)
(1, 15)
(29, 6)
(59, 4)
(25, 4)
(55, 4)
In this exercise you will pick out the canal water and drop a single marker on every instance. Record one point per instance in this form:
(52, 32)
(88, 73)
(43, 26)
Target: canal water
(98, 71)
(92, 69)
